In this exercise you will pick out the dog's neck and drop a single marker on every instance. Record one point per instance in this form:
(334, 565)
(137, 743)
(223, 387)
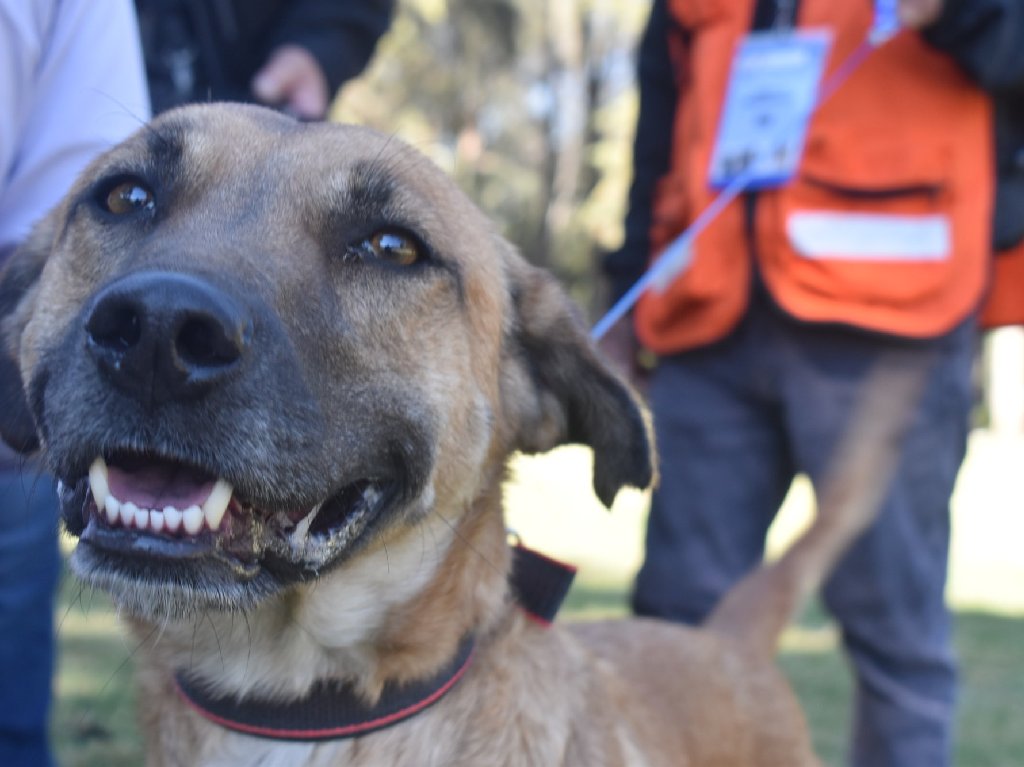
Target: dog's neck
(395, 612)
(339, 711)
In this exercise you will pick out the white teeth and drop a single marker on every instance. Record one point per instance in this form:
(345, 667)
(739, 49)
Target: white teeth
(217, 503)
(113, 508)
(192, 519)
(172, 518)
(98, 482)
(128, 510)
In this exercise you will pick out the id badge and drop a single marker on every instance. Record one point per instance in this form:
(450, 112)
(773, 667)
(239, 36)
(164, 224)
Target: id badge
(772, 92)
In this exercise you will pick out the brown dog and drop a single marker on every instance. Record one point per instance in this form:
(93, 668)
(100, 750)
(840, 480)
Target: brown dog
(279, 370)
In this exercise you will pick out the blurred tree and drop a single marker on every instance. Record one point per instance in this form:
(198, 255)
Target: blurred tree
(529, 104)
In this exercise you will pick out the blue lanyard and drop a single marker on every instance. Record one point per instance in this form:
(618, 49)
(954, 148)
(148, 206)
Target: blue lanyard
(887, 21)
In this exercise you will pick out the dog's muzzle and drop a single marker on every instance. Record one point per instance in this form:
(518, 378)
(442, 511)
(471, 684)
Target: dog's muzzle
(169, 496)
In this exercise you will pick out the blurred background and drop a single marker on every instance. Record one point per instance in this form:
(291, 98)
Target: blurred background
(538, 132)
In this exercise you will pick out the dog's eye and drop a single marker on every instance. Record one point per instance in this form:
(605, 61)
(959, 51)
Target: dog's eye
(127, 197)
(395, 247)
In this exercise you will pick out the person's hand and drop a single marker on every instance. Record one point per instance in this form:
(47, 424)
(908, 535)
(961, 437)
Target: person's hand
(622, 350)
(915, 14)
(292, 80)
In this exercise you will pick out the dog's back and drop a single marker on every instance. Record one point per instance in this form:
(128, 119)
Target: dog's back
(714, 693)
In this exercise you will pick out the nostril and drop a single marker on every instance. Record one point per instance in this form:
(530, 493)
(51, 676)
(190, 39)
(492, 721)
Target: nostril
(203, 342)
(115, 326)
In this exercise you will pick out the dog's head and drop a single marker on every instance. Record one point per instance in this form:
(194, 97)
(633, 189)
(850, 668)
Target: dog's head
(250, 348)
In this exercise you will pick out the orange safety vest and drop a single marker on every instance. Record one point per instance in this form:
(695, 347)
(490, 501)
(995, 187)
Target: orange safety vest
(886, 225)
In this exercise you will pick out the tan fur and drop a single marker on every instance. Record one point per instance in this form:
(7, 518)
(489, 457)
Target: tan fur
(488, 363)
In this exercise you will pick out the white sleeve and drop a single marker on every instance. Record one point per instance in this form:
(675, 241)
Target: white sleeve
(72, 84)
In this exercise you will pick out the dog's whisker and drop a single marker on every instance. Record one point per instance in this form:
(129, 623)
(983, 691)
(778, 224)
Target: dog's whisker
(195, 632)
(164, 625)
(438, 543)
(216, 637)
(423, 545)
(67, 610)
(385, 145)
(248, 654)
(127, 659)
(469, 544)
(125, 109)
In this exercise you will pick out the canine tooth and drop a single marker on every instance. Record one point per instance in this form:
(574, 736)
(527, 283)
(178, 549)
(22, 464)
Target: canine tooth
(156, 520)
(128, 510)
(217, 503)
(302, 527)
(172, 518)
(192, 519)
(142, 518)
(113, 508)
(98, 482)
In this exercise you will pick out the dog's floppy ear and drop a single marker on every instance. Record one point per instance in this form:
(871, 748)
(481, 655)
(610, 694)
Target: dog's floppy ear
(563, 393)
(18, 279)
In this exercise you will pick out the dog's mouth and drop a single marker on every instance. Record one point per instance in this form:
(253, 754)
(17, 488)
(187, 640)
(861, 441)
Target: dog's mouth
(163, 520)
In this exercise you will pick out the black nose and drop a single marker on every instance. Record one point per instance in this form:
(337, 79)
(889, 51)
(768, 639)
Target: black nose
(162, 336)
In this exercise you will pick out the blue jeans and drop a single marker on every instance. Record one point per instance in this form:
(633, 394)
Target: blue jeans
(735, 422)
(29, 566)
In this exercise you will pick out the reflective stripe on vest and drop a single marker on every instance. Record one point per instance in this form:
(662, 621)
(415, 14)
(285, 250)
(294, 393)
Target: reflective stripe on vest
(869, 236)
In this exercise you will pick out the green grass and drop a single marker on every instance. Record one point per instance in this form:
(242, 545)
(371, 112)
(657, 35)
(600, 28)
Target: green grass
(94, 720)
(992, 667)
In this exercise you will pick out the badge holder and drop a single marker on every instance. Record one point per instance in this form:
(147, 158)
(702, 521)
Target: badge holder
(771, 95)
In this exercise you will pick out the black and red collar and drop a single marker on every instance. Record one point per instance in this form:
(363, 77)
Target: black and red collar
(539, 583)
(333, 710)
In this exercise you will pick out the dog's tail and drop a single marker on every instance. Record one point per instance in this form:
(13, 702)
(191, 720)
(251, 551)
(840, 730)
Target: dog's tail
(758, 608)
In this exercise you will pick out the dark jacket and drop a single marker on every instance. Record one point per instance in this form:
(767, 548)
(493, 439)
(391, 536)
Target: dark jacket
(206, 50)
(986, 37)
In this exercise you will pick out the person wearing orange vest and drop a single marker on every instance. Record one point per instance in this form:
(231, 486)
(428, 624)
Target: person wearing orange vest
(880, 241)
